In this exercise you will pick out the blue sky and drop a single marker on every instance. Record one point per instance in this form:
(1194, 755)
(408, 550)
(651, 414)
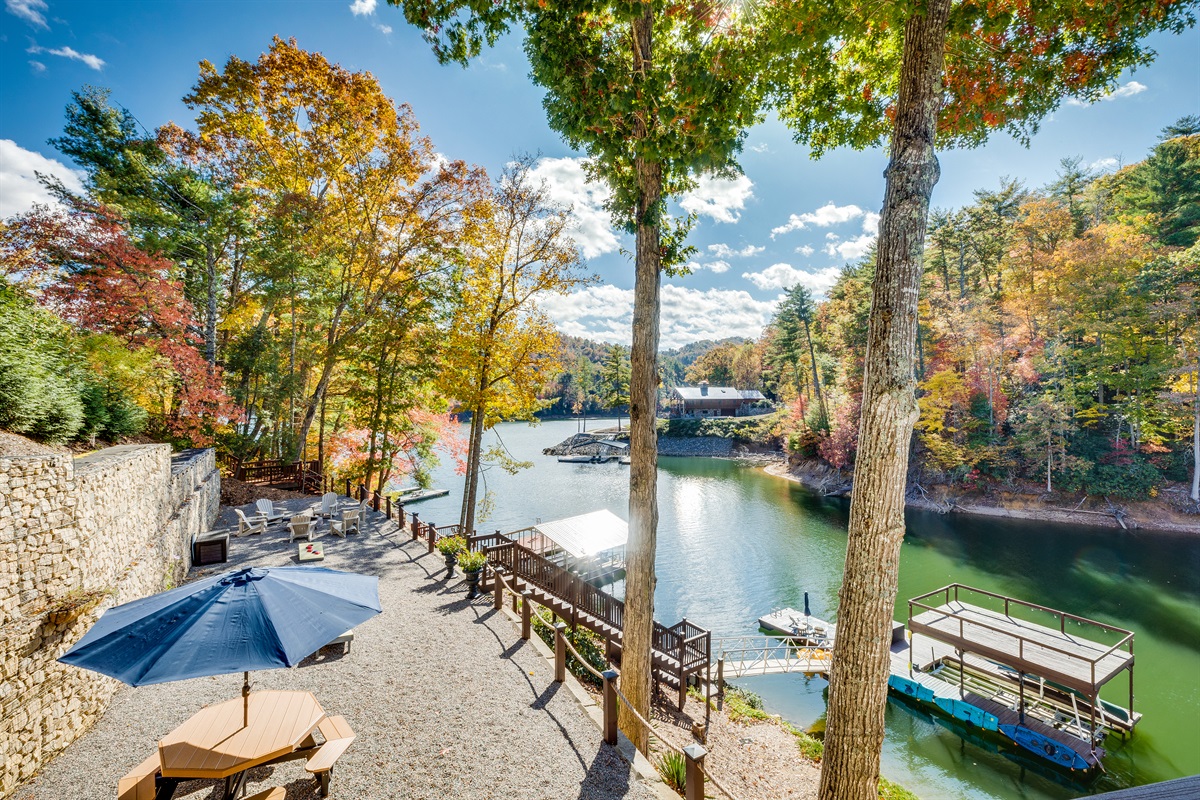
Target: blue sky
(789, 219)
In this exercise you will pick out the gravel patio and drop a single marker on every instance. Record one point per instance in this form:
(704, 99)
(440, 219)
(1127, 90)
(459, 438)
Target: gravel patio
(446, 699)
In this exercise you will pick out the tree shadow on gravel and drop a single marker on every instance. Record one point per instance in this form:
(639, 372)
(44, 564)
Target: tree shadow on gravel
(607, 777)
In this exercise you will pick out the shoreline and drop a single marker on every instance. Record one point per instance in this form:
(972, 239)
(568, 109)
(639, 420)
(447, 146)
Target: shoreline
(818, 480)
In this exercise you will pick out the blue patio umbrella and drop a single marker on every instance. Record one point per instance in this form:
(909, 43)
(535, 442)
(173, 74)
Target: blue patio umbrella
(248, 619)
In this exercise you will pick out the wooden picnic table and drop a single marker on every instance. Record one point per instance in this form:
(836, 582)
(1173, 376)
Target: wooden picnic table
(215, 743)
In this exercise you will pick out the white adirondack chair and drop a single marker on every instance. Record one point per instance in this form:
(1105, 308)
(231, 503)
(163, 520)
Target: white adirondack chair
(249, 525)
(301, 527)
(328, 503)
(267, 509)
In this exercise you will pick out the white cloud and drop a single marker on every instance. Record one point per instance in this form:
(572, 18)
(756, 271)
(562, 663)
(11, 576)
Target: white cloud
(37, 66)
(606, 313)
(871, 222)
(29, 10)
(719, 198)
(19, 187)
(851, 249)
(1128, 89)
(1104, 164)
(823, 217)
(722, 250)
(362, 7)
(567, 185)
(716, 266)
(782, 276)
(95, 62)
(805, 250)
(386, 30)
(761, 147)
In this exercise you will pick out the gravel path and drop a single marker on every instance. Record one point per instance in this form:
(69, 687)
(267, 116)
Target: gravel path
(446, 699)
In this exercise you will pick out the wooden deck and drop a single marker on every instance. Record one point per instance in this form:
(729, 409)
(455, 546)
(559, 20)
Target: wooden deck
(1178, 789)
(1055, 655)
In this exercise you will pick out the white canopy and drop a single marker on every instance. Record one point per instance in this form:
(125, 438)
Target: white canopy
(588, 534)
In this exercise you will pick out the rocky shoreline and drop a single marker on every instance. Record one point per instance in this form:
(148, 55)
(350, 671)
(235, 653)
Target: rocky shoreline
(1149, 516)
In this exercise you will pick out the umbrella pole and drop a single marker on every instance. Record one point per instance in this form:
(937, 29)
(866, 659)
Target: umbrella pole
(245, 699)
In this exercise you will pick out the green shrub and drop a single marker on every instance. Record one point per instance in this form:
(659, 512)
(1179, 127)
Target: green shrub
(1136, 480)
(673, 768)
(451, 545)
(744, 706)
(472, 560)
(108, 413)
(39, 383)
(589, 645)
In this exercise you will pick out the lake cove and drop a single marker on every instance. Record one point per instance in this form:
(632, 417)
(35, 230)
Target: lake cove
(735, 543)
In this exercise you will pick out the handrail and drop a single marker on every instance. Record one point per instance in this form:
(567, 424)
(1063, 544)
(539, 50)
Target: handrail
(1020, 638)
(1026, 603)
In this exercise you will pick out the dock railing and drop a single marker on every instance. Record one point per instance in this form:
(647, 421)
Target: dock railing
(951, 592)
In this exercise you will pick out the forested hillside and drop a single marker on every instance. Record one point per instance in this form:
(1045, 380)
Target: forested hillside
(1059, 335)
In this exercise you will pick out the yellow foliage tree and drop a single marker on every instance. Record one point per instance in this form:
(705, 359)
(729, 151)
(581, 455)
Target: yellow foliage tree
(500, 348)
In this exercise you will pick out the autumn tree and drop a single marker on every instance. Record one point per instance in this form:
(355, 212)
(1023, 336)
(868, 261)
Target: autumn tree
(921, 76)
(500, 347)
(357, 213)
(654, 93)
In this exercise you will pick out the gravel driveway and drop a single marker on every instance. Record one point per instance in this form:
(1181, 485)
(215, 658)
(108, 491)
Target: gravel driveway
(446, 699)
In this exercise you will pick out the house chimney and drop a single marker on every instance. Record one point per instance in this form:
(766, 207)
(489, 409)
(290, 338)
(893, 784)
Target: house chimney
(704, 387)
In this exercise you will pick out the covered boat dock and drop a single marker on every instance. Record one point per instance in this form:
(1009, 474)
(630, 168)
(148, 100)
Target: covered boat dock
(590, 545)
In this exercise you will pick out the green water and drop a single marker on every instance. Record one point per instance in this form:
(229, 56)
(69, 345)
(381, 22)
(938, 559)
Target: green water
(735, 543)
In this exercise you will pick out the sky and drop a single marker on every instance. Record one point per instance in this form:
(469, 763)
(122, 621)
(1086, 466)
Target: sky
(789, 219)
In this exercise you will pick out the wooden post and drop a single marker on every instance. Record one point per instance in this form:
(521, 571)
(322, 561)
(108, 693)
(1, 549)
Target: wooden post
(721, 683)
(516, 588)
(693, 756)
(348, 489)
(416, 526)
(389, 508)
(610, 707)
(526, 615)
(497, 591)
(683, 679)
(430, 535)
(560, 652)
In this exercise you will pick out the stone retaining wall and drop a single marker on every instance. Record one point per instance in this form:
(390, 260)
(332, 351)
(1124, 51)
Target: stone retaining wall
(114, 526)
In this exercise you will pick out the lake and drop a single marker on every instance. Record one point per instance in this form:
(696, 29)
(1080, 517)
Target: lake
(735, 543)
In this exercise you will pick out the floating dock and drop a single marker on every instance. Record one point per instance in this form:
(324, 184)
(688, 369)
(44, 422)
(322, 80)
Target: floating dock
(415, 494)
(999, 670)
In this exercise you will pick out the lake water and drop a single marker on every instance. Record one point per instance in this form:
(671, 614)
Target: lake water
(735, 543)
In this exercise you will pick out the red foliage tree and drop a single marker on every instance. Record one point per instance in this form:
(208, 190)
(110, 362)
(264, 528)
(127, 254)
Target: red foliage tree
(85, 267)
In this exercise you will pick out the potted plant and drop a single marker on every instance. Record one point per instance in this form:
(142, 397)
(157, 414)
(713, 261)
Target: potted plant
(472, 563)
(450, 547)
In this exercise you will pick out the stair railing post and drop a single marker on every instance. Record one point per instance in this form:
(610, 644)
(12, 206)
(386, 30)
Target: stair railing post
(416, 526)
(721, 682)
(560, 652)
(610, 706)
(693, 756)
(497, 591)
(526, 615)
(430, 534)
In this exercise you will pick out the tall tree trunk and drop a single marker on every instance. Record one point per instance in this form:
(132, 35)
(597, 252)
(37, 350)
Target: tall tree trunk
(1196, 436)
(210, 309)
(473, 454)
(643, 402)
(866, 603)
(812, 355)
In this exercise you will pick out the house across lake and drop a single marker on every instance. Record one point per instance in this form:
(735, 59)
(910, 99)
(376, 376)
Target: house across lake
(715, 401)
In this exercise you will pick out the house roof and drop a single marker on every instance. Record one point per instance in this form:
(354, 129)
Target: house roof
(587, 534)
(717, 393)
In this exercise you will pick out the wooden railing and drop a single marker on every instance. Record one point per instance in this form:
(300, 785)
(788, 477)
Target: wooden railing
(687, 645)
(273, 472)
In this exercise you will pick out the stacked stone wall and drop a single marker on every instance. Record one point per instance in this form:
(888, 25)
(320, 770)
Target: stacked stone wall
(90, 532)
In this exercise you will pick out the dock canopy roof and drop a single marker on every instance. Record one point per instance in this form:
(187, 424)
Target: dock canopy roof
(588, 534)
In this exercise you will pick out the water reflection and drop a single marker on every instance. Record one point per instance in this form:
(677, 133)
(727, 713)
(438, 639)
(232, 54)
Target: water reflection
(735, 543)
